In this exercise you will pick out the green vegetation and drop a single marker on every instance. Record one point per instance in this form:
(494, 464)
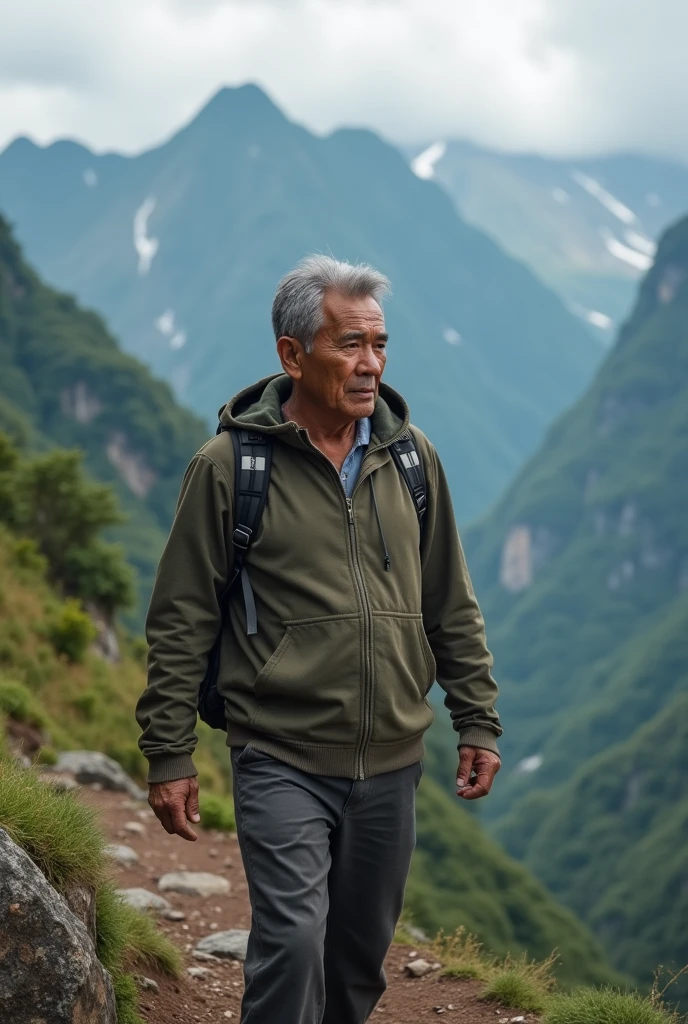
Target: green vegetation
(593, 652)
(460, 877)
(217, 812)
(606, 1006)
(525, 984)
(64, 382)
(62, 837)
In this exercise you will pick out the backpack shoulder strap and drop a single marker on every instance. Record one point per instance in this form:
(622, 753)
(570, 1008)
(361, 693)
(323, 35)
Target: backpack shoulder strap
(410, 465)
(252, 465)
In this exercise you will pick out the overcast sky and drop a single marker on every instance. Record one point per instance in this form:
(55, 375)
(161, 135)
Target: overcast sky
(554, 76)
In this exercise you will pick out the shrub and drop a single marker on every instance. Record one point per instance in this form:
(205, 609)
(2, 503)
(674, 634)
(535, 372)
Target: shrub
(19, 703)
(99, 573)
(71, 631)
(217, 812)
(26, 555)
(605, 1006)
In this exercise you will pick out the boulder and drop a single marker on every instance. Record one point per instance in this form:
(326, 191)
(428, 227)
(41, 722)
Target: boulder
(82, 903)
(49, 971)
(194, 883)
(142, 899)
(418, 968)
(90, 767)
(121, 853)
(231, 944)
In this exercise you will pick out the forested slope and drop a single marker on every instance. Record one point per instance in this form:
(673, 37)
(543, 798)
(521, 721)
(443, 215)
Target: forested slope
(65, 381)
(582, 571)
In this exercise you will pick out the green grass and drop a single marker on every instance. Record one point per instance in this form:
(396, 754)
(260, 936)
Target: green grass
(463, 956)
(217, 812)
(63, 839)
(606, 1006)
(524, 984)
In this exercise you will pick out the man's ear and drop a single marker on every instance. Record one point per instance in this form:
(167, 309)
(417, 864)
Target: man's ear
(291, 353)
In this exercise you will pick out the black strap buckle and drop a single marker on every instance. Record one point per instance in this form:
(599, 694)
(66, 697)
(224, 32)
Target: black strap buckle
(241, 538)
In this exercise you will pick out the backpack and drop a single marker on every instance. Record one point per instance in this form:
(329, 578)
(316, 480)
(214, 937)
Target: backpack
(253, 462)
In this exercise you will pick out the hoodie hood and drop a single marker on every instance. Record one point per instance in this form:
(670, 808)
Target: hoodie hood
(259, 407)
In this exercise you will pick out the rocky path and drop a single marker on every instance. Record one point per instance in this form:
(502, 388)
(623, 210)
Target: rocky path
(210, 989)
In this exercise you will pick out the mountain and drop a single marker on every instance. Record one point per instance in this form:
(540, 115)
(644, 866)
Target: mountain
(459, 876)
(64, 381)
(181, 248)
(582, 572)
(587, 228)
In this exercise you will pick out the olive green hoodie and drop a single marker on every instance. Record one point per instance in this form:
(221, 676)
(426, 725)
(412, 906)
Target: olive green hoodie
(336, 679)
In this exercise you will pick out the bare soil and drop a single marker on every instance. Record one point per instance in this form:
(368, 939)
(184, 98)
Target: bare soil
(216, 997)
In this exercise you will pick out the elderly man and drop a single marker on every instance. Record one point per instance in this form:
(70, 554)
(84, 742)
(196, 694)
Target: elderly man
(359, 607)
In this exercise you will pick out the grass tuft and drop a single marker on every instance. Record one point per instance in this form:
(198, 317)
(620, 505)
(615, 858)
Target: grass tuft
(59, 834)
(605, 1006)
(523, 984)
(462, 956)
(217, 812)
(127, 938)
(127, 999)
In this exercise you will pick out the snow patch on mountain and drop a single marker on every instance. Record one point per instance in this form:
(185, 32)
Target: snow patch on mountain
(90, 177)
(451, 336)
(423, 166)
(529, 764)
(560, 195)
(145, 246)
(638, 260)
(166, 325)
(610, 202)
(641, 243)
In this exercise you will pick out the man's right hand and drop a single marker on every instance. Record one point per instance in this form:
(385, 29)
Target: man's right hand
(175, 805)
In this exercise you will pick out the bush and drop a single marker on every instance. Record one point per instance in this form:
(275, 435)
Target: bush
(71, 631)
(217, 812)
(19, 703)
(605, 1006)
(27, 556)
(99, 573)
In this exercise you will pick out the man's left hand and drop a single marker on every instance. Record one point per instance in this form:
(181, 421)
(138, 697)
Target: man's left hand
(484, 764)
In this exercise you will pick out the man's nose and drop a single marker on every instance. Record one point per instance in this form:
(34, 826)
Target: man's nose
(368, 364)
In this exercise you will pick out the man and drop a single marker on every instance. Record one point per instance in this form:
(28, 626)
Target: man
(358, 610)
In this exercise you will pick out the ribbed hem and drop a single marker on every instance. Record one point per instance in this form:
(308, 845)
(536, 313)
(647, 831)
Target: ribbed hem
(330, 760)
(477, 737)
(169, 769)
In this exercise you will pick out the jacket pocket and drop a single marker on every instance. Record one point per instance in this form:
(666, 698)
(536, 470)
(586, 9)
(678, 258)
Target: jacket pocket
(404, 672)
(309, 689)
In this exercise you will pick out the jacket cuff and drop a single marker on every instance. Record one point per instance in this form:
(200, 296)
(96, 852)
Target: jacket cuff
(169, 768)
(478, 737)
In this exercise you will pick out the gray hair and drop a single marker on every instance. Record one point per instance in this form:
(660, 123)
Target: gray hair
(297, 309)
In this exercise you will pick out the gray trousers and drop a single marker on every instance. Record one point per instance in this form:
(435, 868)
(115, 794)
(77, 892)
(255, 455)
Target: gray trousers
(326, 861)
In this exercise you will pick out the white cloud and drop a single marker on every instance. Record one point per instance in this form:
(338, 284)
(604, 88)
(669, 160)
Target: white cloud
(564, 76)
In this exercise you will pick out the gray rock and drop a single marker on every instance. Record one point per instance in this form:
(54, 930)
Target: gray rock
(142, 899)
(90, 767)
(134, 827)
(122, 854)
(148, 984)
(230, 944)
(49, 970)
(174, 915)
(82, 903)
(417, 968)
(417, 933)
(194, 883)
(198, 972)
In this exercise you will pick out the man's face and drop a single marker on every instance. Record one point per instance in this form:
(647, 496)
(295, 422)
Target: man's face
(342, 373)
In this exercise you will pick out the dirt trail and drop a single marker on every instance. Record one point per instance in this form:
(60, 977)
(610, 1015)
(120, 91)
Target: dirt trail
(215, 997)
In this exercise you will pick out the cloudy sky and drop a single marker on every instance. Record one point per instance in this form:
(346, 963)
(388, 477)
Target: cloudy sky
(554, 76)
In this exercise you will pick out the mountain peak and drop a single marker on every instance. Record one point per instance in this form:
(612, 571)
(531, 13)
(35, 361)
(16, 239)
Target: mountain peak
(234, 106)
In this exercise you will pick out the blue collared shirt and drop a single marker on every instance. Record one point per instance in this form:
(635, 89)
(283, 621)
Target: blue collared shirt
(351, 467)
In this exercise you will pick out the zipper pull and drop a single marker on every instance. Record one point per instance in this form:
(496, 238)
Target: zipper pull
(349, 505)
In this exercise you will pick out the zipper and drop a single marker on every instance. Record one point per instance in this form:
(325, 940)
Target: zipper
(364, 602)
